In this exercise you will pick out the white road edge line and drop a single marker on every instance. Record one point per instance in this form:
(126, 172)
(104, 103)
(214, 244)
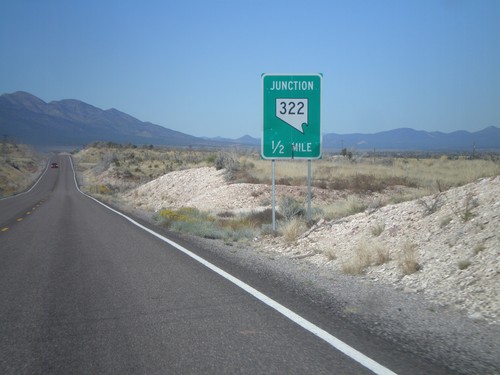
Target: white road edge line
(330, 339)
(36, 183)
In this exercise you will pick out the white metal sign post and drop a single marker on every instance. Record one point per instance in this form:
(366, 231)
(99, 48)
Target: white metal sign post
(291, 122)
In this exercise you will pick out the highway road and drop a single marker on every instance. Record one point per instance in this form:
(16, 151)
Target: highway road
(84, 290)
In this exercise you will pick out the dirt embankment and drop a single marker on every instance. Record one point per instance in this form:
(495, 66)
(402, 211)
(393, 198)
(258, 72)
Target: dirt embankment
(450, 239)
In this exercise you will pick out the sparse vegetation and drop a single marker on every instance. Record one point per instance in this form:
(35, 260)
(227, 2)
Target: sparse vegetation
(445, 221)
(464, 264)
(19, 167)
(124, 167)
(229, 162)
(408, 262)
(330, 254)
(478, 248)
(466, 213)
(424, 175)
(381, 255)
(365, 254)
(290, 208)
(292, 229)
(431, 204)
(377, 229)
(199, 223)
(111, 169)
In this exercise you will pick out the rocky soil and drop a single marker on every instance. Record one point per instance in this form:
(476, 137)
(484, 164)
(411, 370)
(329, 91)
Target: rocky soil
(452, 239)
(206, 189)
(445, 247)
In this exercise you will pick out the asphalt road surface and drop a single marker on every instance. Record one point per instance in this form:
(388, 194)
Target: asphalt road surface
(85, 291)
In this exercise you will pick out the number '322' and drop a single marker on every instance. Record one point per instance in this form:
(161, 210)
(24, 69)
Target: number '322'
(291, 108)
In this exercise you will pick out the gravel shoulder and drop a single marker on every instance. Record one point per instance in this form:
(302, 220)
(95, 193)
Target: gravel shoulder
(412, 321)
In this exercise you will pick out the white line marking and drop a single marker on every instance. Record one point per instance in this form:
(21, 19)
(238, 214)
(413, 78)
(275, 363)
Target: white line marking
(36, 183)
(314, 329)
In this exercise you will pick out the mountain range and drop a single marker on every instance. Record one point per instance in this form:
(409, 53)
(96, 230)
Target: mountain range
(487, 139)
(70, 122)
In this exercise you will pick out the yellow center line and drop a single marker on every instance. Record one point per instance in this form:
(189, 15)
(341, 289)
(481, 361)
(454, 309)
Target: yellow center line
(20, 219)
(5, 229)
(28, 213)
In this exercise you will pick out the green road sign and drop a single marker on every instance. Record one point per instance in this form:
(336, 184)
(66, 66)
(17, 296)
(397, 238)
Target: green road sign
(292, 116)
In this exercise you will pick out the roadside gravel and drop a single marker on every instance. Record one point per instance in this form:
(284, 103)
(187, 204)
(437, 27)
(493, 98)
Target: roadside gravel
(413, 322)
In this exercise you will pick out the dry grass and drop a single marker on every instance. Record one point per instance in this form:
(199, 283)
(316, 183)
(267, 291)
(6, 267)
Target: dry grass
(351, 205)
(19, 167)
(292, 229)
(111, 169)
(377, 229)
(366, 254)
(330, 254)
(445, 221)
(376, 174)
(466, 212)
(408, 262)
(126, 167)
(478, 248)
(381, 255)
(464, 264)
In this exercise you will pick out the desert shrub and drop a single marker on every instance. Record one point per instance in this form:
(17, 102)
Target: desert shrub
(445, 221)
(104, 189)
(256, 194)
(184, 214)
(260, 218)
(342, 208)
(286, 181)
(362, 182)
(377, 229)
(289, 207)
(205, 229)
(466, 213)
(225, 214)
(366, 253)
(354, 205)
(357, 263)
(478, 248)
(380, 255)
(235, 223)
(104, 163)
(408, 259)
(267, 230)
(211, 159)
(464, 264)
(229, 162)
(193, 221)
(330, 254)
(322, 184)
(441, 186)
(430, 205)
(233, 230)
(293, 229)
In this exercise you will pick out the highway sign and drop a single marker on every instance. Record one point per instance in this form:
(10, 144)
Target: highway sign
(291, 116)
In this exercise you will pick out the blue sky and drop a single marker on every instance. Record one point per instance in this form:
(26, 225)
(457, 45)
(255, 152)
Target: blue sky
(195, 66)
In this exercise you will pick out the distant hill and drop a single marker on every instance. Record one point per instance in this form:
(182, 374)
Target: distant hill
(246, 140)
(403, 139)
(72, 122)
(409, 139)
